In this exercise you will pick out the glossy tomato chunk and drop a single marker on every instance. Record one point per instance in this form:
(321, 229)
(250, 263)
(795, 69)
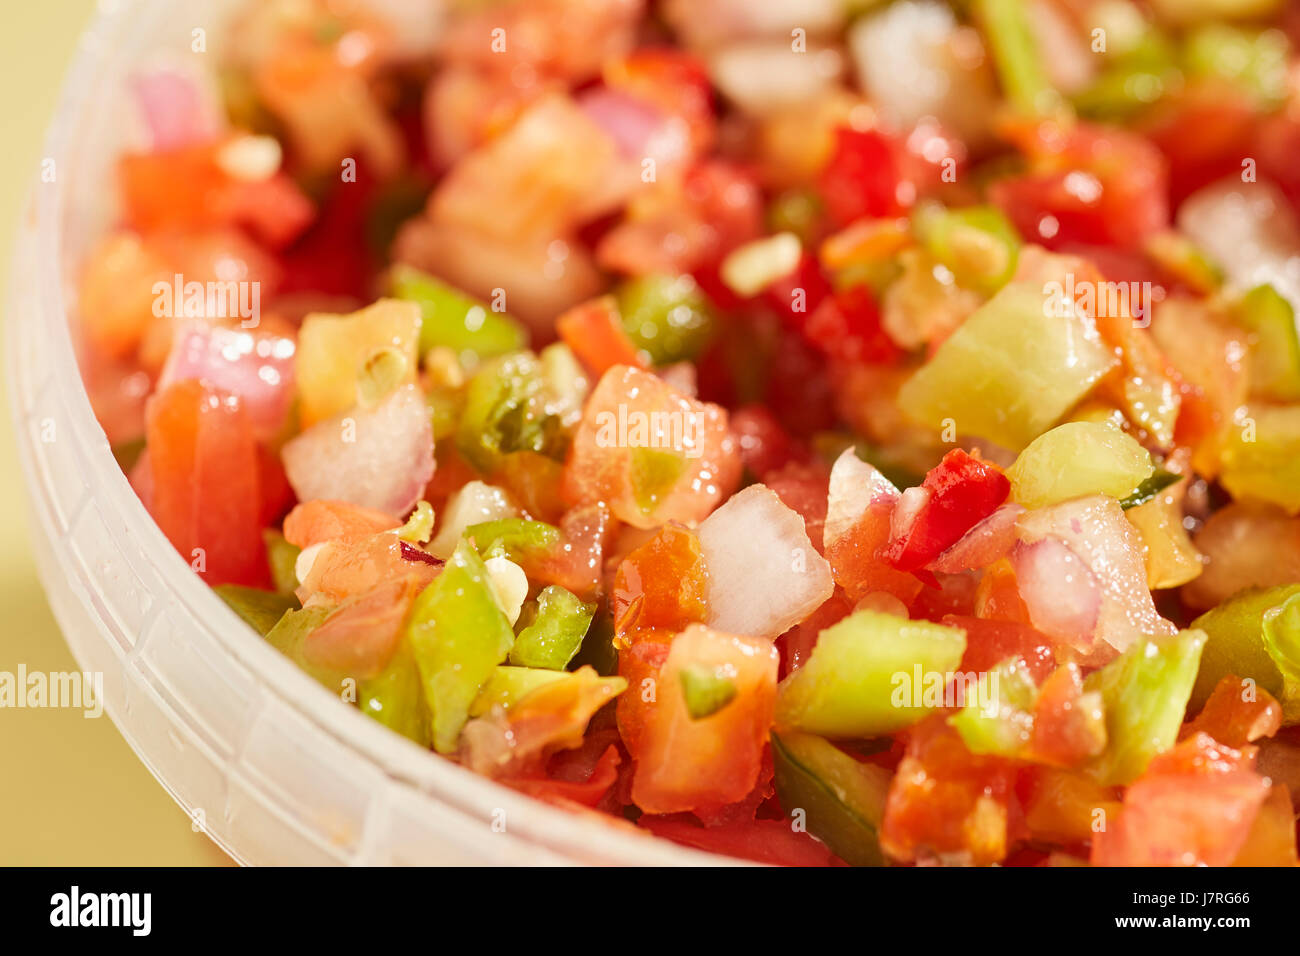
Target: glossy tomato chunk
(204, 487)
(703, 761)
(955, 496)
(650, 452)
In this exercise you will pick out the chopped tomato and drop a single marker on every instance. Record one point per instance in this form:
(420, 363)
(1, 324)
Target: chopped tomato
(763, 444)
(203, 480)
(1103, 187)
(957, 494)
(650, 452)
(1069, 727)
(998, 597)
(797, 643)
(570, 777)
(773, 842)
(186, 188)
(1065, 807)
(359, 638)
(989, 643)
(947, 804)
(315, 521)
(576, 562)
(702, 763)
(595, 333)
(803, 488)
(1237, 713)
(847, 325)
(1194, 806)
(640, 664)
(863, 177)
(663, 584)
(858, 561)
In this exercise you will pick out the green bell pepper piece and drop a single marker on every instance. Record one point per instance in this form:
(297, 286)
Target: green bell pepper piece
(1015, 54)
(999, 720)
(667, 317)
(1282, 641)
(1275, 353)
(1076, 459)
(395, 696)
(553, 637)
(706, 692)
(977, 244)
(858, 682)
(283, 558)
(1144, 692)
(506, 411)
(455, 320)
(512, 537)
(459, 635)
(1236, 642)
(1010, 371)
(261, 610)
(1262, 459)
(843, 800)
(509, 684)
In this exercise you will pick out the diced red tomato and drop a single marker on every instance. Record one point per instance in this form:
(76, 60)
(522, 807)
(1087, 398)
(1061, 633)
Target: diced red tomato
(998, 597)
(796, 644)
(858, 561)
(957, 494)
(650, 452)
(989, 643)
(1103, 187)
(763, 444)
(663, 584)
(701, 765)
(798, 295)
(640, 665)
(1237, 713)
(359, 638)
(1203, 136)
(946, 803)
(594, 331)
(571, 778)
(1194, 806)
(1069, 727)
(847, 325)
(315, 521)
(576, 563)
(803, 488)
(204, 487)
(773, 842)
(186, 188)
(1065, 807)
(863, 178)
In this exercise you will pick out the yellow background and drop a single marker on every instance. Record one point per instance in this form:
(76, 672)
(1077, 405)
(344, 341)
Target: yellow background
(73, 792)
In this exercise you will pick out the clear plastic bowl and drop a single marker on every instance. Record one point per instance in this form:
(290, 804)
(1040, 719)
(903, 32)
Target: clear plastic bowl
(273, 767)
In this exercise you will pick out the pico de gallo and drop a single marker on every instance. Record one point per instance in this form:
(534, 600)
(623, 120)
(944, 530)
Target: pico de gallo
(816, 431)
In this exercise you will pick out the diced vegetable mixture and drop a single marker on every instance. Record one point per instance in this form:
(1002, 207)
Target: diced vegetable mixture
(815, 431)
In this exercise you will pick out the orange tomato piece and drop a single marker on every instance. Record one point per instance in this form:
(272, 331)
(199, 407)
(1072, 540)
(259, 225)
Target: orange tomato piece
(315, 521)
(1237, 714)
(946, 803)
(203, 481)
(689, 764)
(661, 584)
